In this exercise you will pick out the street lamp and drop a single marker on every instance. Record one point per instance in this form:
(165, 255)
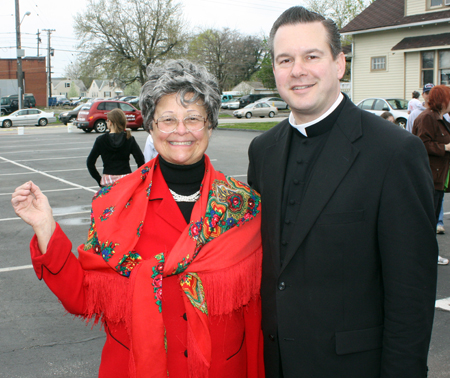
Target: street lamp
(20, 53)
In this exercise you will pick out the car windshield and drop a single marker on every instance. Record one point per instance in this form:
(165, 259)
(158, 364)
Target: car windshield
(398, 103)
(249, 106)
(79, 107)
(86, 106)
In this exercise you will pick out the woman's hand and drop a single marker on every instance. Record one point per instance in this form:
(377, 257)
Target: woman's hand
(447, 147)
(32, 206)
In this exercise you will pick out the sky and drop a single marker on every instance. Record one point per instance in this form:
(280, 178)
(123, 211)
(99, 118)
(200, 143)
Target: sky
(252, 17)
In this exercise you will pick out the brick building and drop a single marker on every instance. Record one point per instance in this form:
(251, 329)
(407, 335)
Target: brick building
(35, 76)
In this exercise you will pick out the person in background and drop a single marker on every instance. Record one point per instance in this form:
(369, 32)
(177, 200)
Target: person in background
(434, 132)
(149, 149)
(414, 103)
(348, 227)
(172, 264)
(115, 149)
(426, 91)
(388, 116)
(440, 229)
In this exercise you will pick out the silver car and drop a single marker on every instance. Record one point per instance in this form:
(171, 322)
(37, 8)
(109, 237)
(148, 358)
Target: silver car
(27, 117)
(397, 106)
(279, 103)
(261, 109)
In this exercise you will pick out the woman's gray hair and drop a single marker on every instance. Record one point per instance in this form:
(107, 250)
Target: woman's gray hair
(181, 77)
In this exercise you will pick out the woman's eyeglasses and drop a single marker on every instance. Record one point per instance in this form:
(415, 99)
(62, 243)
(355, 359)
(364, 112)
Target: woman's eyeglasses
(168, 124)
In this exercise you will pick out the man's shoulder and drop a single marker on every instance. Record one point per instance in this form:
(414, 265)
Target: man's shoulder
(272, 135)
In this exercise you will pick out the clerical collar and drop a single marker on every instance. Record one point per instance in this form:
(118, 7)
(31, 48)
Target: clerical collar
(302, 128)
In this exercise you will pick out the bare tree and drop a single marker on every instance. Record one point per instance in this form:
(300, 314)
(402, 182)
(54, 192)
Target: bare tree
(122, 37)
(229, 55)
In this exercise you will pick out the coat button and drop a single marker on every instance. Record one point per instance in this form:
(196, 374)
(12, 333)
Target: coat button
(185, 353)
(281, 286)
(184, 316)
(271, 337)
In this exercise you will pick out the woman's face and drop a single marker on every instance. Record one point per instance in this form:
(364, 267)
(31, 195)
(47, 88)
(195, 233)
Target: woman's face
(181, 147)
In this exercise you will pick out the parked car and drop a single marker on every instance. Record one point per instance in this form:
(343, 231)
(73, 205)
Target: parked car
(232, 104)
(248, 99)
(27, 117)
(127, 98)
(71, 115)
(92, 116)
(279, 103)
(62, 102)
(261, 109)
(9, 104)
(397, 106)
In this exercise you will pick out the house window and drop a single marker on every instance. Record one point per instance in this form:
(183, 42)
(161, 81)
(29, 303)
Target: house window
(107, 94)
(427, 67)
(67, 85)
(379, 63)
(444, 67)
(435, 3)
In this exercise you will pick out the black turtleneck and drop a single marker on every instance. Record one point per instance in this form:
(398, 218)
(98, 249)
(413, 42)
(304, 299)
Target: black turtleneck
(184, 180)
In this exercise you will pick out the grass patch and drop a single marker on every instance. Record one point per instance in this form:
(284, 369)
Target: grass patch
(225, 115)
(261, 126)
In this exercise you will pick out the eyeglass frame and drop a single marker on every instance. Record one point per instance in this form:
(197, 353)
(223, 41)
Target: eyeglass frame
(187, 128)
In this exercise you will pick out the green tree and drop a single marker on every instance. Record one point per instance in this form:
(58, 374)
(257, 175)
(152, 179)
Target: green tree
(340, 11)
(120, 38)
(265, 73)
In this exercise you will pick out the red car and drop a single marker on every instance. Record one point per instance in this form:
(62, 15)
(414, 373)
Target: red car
(92, 116)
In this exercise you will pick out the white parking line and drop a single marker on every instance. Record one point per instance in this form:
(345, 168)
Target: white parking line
(54, 215)
(443, 304)
(16, 268)
(35, 151)
(48, 175)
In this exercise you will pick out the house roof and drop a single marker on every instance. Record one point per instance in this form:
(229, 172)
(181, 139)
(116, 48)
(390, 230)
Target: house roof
(423, 41)
(389, 14)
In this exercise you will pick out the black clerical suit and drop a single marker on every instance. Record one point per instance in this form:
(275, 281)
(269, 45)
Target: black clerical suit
(349, 278)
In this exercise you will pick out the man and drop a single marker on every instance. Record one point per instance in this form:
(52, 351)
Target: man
(349, 266)
(413, 115)
(414, 103)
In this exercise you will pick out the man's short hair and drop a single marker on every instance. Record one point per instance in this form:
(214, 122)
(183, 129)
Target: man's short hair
(416, 94)
(301, 15)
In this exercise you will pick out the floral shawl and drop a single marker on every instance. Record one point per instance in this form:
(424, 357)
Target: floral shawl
(217, 259)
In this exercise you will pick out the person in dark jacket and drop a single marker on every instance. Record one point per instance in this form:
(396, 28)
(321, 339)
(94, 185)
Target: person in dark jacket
(115, 149)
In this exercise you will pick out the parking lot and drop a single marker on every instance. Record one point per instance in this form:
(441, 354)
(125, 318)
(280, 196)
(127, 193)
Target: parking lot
(38, 339)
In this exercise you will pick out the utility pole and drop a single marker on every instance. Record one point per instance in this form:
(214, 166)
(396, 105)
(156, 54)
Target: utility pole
(49, 70)
(38, 41)
(20, 53)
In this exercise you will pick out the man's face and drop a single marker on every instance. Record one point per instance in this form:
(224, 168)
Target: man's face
(307, 76)
(425, 96)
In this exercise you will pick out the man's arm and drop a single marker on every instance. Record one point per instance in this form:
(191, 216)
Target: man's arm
(409, 252)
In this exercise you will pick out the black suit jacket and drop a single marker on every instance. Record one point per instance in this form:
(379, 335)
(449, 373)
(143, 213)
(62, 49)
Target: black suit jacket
(355, 294)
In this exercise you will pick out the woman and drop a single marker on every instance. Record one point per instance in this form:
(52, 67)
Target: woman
(115, 149)
(434, 131)
(172, 264)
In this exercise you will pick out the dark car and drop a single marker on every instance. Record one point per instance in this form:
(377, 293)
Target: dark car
(70, 116)
(249, 99)
(9, 104)
(92, 116)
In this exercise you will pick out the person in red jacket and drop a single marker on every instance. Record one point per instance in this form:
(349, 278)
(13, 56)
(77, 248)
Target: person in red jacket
(172, 264)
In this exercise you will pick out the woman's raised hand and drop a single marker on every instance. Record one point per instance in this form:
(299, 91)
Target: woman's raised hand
(33, 207)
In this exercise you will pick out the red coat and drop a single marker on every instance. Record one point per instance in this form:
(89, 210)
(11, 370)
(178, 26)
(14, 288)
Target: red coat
(233, 354)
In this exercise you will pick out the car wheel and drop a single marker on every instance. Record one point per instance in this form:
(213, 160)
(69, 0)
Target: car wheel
(401, 122)
(2, 112)
(42, 122)
(7, 123)
(87, 130)
(271, 114)
(100, 126)
(248, 115)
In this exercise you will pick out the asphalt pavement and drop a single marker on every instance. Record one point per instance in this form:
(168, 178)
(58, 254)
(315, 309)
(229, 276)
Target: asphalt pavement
(38, 338)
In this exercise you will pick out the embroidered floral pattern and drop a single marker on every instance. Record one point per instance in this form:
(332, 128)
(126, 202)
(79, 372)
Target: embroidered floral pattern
(192, 286)
(108, 249)
(92, 240)
(139, 230)
(128, 262)
(149, 190)
(128, 203)
(103, 191)
(144, 172)
(107, 213)
(157, 277)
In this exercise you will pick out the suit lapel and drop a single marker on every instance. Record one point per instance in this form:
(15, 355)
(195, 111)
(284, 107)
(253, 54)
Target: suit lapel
(331, 167)
(275, 161)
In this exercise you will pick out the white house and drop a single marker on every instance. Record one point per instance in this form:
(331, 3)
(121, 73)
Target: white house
(104, 89)
(398, 46)
(68, 87)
